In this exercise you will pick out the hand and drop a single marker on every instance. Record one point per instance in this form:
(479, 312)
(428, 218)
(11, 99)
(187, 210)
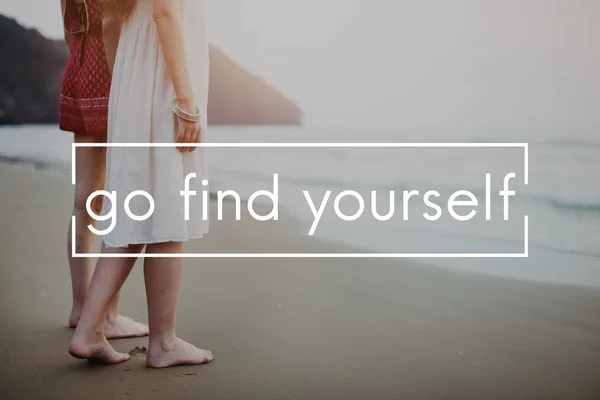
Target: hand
(188, 131)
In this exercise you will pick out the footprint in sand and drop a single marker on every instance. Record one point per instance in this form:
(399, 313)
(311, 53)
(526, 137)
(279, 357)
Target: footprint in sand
(138, 351)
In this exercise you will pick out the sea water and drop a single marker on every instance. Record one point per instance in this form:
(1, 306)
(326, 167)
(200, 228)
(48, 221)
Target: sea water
(561, 200)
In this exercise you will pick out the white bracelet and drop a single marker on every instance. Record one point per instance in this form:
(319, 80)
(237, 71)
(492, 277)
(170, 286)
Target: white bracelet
(185, 115)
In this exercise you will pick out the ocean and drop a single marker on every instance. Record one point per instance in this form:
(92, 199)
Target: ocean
(561, 200)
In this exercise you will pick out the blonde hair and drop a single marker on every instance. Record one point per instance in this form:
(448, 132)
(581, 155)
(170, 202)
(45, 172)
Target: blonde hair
(118, 8)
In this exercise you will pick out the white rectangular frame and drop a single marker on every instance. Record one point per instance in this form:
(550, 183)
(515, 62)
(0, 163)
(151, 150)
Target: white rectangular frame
(524, 146)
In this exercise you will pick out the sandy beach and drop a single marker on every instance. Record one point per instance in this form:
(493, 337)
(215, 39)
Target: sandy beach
(291, 328)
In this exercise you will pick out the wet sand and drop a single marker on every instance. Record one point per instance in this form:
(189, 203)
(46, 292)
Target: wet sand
(291, 328)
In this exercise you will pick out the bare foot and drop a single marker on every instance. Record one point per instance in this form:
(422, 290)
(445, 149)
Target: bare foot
(98, 350)
(163, 355)
(124, 327)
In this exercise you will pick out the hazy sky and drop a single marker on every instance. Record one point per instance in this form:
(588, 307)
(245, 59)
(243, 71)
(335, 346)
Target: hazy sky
(459, 65)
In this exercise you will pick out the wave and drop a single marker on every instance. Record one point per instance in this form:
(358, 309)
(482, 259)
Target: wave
(567, 205)
(553, 202)
(37, 164)
(510, 243)
(556, 203)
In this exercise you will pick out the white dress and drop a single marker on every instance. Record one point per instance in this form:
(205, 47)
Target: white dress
(140, 112)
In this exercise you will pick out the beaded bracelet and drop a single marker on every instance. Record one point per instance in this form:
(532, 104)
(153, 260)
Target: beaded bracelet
(184, 115)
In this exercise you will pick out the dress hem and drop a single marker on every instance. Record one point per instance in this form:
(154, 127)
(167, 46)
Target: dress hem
(118, 245)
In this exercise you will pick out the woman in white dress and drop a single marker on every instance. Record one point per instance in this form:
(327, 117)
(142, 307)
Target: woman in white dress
(159, 94)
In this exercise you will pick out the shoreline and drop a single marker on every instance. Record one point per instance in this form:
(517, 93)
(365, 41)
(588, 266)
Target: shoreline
(562, 241)
(527, 270)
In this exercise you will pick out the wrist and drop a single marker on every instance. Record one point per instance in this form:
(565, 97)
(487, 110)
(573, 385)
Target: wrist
(187, 105)
(184, 112)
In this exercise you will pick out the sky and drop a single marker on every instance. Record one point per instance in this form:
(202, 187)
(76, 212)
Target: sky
(418, 65)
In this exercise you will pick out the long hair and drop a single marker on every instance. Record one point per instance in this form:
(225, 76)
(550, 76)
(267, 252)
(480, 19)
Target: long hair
(118, 8)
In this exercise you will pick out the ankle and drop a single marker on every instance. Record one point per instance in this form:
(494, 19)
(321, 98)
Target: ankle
(165, 340)
(89, 334)
(111, 318)
(77, 306)
(75, 315)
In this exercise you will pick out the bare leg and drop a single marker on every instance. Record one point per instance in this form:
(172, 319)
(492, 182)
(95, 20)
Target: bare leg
(89, 341)
(90, 176)
(163, 279)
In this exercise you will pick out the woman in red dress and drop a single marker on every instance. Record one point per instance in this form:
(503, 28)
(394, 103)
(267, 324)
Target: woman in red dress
(84, 111)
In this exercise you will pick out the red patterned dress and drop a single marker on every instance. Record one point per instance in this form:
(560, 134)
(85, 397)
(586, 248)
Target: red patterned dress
(86, 81)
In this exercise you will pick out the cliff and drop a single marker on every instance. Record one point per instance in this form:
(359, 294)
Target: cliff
(32, 68)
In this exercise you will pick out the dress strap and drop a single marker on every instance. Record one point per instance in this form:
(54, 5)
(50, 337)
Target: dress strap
(83, 16)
